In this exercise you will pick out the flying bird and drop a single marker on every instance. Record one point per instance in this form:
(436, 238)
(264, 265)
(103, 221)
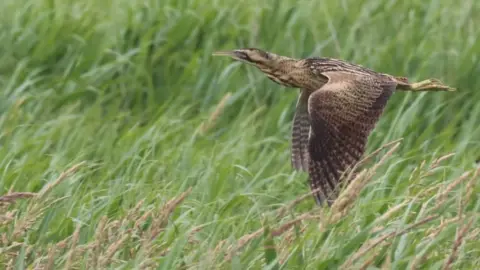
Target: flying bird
(338, 107)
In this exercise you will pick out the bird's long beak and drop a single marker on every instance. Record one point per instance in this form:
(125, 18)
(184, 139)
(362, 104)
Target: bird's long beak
(235, 54)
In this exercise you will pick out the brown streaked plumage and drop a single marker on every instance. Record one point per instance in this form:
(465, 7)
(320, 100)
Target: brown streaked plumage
(337, 109)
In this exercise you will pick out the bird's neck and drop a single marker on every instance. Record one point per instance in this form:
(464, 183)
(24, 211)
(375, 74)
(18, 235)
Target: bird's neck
(282, 71)
(293, 73)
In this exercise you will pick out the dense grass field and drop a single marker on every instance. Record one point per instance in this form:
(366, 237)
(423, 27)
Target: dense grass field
(126, 145)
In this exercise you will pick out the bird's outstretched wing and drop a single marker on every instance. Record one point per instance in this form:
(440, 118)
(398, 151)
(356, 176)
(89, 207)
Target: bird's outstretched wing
(300, 132)
(343, 112)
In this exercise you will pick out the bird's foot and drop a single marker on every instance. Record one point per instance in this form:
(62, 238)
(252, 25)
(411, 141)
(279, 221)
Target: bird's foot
(429, 85)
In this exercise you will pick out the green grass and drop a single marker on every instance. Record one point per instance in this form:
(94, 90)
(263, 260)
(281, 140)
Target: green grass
(124, 87)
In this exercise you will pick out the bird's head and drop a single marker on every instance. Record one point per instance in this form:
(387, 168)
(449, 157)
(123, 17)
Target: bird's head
(252, 56)
(276, 67)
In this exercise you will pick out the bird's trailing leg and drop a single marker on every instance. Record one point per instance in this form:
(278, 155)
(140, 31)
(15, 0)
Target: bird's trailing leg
(425, 85)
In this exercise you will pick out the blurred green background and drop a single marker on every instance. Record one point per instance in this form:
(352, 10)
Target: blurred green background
(126, 85)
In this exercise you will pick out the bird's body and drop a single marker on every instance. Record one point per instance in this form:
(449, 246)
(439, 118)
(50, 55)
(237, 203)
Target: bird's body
(337, 109)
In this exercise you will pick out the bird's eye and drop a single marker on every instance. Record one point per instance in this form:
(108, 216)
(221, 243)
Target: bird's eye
(242, 55)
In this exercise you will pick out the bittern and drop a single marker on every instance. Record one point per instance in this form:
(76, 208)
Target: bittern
(338, 107)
